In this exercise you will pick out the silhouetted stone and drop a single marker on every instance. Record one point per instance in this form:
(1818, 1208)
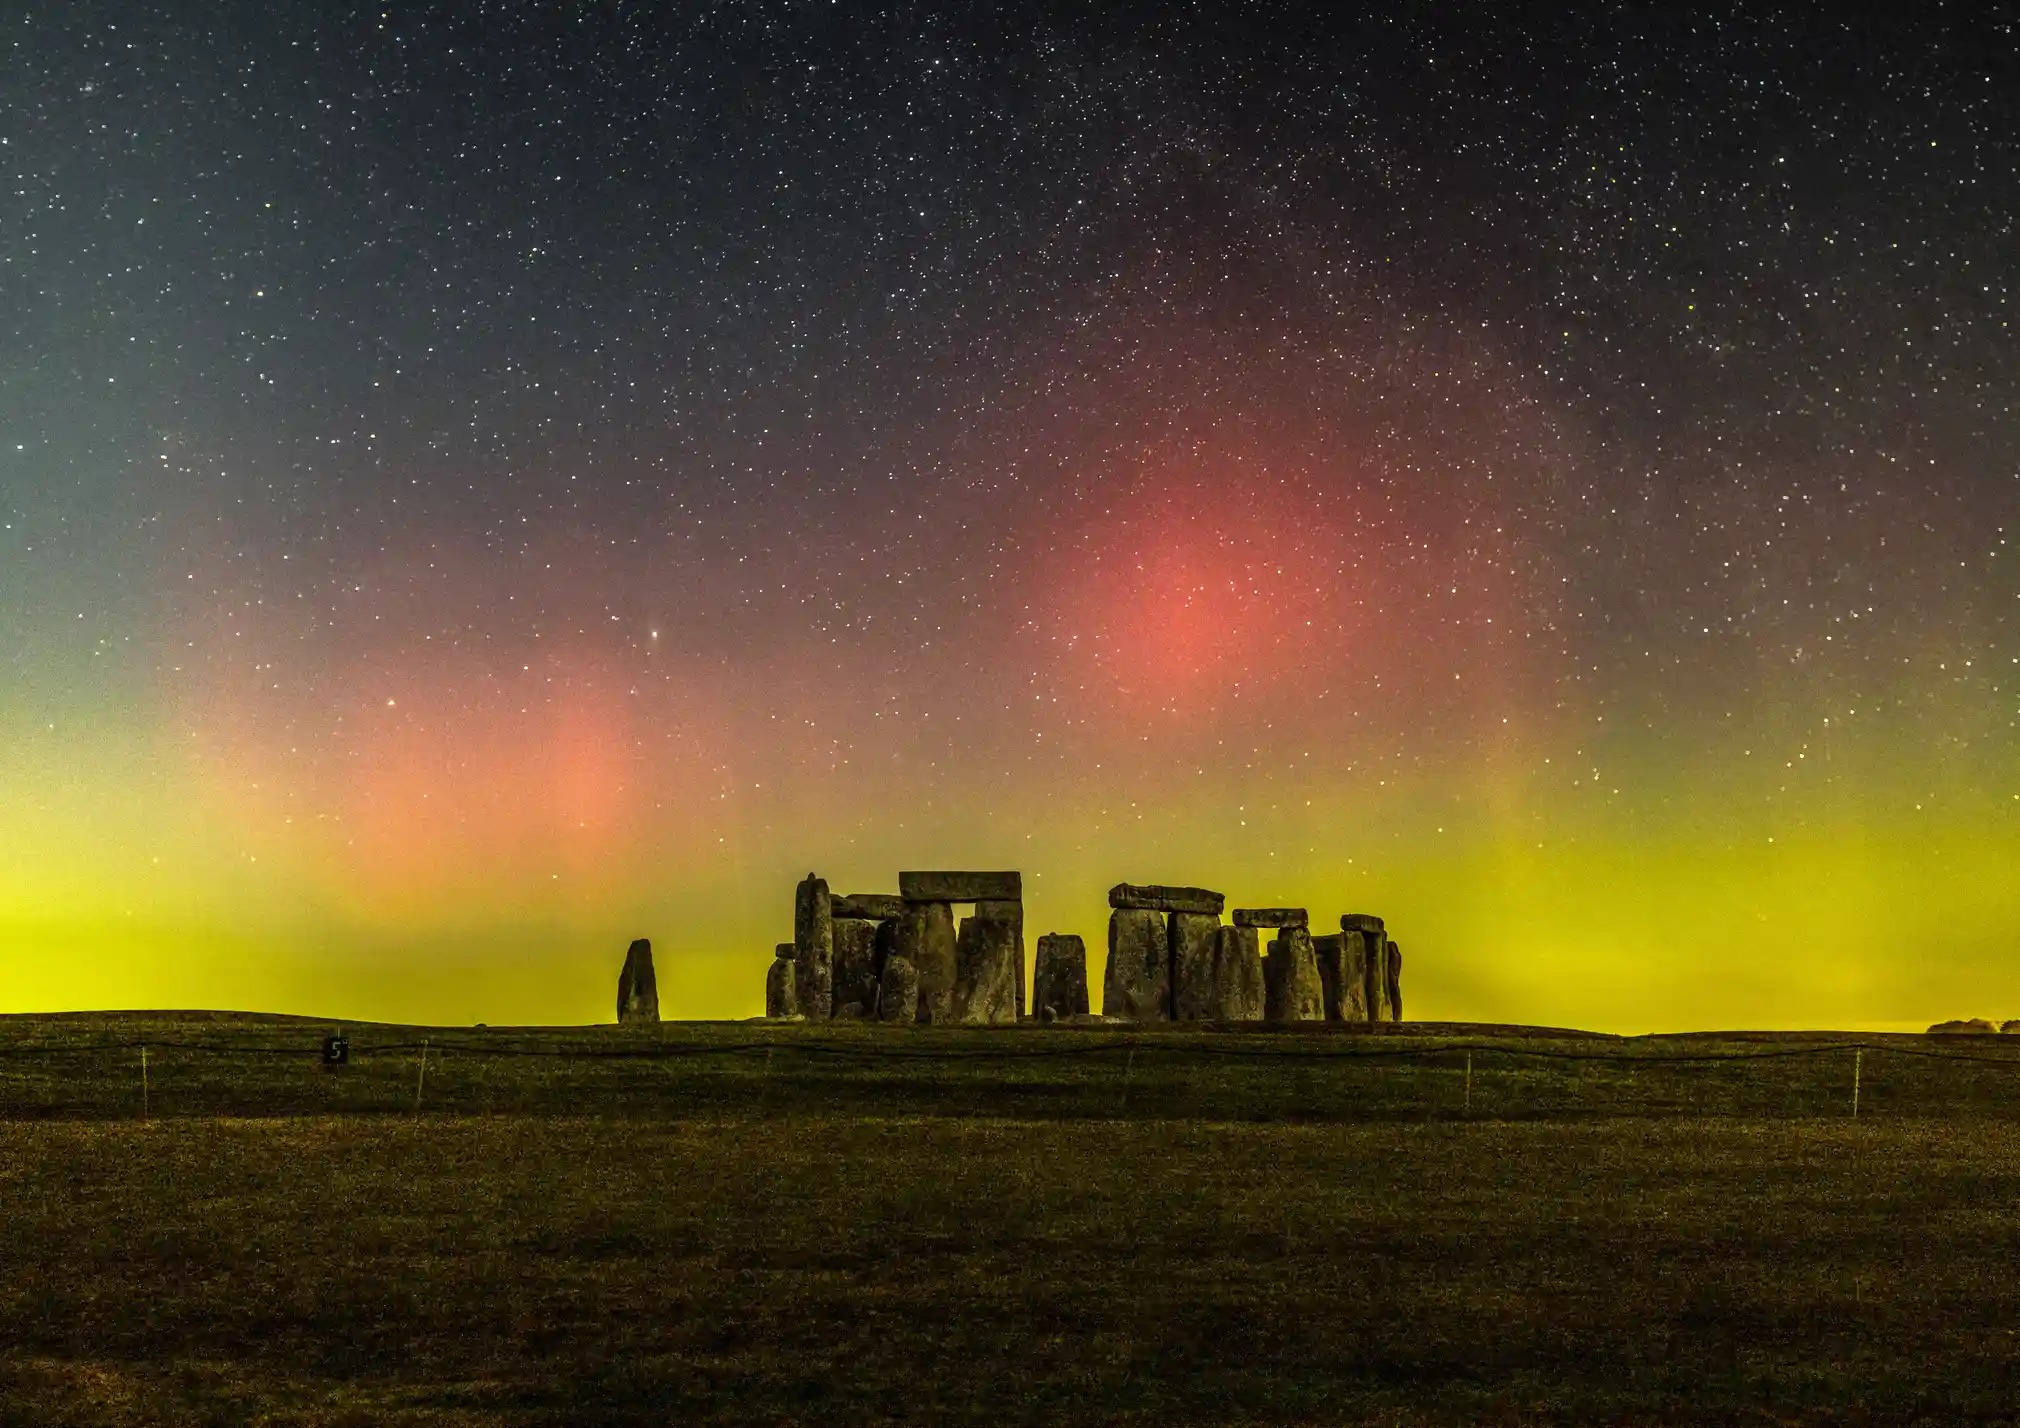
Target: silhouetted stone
(1059, 989)
(898, 993)
(1378, 976)
(1395, 978)
(1012, 912)
(814, 949)
(1237, 975)
(1327, 951)
(1291, 990)
(2011, 1028)
(1137, 982)
(985, 962)
(961, 887)
(1976, 1026)
(637, 987)
(1360, 922)
(926, 940)
(1193, 992)
(1271, 917)
(855, 964)
(781, 993)
(1155, 898)
(1354, 978)
(874, 906)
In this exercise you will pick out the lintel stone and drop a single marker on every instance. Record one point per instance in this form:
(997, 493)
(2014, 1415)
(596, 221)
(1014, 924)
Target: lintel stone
(1271, 917)
(1152, 897)
(961, 887)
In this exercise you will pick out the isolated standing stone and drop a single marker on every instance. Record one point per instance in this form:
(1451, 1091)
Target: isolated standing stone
(985, 961)
(814, 949)
(1193, 992)
(781, 991)
(1157, 898)
(898, 994)
(1137, 982)
(1060, 984)
(1237, 975)
(1291, 979)
(637, 987)
(855, 965)
(1011, 911)
(926, 940)
(1395, 979)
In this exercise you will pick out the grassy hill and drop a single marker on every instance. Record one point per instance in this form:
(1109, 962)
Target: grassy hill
(753, 1224)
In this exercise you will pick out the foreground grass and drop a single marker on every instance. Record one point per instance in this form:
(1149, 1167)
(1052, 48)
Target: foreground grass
(713, 1257)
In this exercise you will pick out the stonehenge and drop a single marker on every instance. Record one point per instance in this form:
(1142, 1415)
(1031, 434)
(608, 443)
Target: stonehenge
(637, 987)
(908, 959)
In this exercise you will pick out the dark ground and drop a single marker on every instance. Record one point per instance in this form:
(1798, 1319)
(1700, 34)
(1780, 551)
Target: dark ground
(788, 1226)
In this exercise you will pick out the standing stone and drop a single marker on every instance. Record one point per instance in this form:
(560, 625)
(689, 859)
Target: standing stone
(898, 992)
(1012, 912)
(1395, 980)
(855, 966)
(1192, 936)
(926, 940)
(1237, 975)
(1330, 951)
(985, 962)
(814, 949)
(1060, 988)
(1378, 976)
(1291, 979)
(637, 987)
(1137, 983)
(781, 989)
(1354, 977)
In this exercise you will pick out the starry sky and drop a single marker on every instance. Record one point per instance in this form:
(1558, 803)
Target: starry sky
(481, 482)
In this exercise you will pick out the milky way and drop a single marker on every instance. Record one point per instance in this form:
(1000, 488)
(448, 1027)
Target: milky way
(481, 483)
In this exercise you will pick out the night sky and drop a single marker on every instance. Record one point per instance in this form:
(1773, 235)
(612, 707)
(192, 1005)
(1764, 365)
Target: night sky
(479, 483)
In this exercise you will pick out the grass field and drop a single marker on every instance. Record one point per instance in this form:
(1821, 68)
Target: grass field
(783, 1225)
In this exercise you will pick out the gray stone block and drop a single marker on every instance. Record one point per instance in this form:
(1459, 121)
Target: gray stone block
(814, 948)
(1271, 917)
(874, 906)
(1237, 975)
(961, 887)
(637, 987)
(1156, 898)
(1137, 982)
(1191, 936)
(985, 964)
(1059, 989)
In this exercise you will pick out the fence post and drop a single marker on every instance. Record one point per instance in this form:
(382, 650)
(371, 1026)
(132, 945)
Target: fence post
(422, 1079)
(1858, 1066)
(1469, 1083)
(143, 1083)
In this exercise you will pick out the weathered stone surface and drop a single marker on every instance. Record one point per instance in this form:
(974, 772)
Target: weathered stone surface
(985, 963)
(961, 887)
(1360, 922)
(1059, 989)
(781, 990)
(1156, 898)
(1271, 917)
(1976, 1026)
(1378, 976)
(1395, 971)
(814, 948)
(637, 987)
(1137, 982)
(1327, 950)
(926, 940)
(1237, 975)
(1193, 992)
(874, 906)
(1291, 979)
(785, 951)
(898, 992)
(1012, 912)
(855, 964)
(1354, 974)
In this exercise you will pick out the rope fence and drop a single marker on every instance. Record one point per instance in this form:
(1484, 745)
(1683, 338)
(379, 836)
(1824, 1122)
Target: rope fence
(1107, 1075)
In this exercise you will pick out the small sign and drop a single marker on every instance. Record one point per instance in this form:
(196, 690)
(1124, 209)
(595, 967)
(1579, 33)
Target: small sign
(336, 1050)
